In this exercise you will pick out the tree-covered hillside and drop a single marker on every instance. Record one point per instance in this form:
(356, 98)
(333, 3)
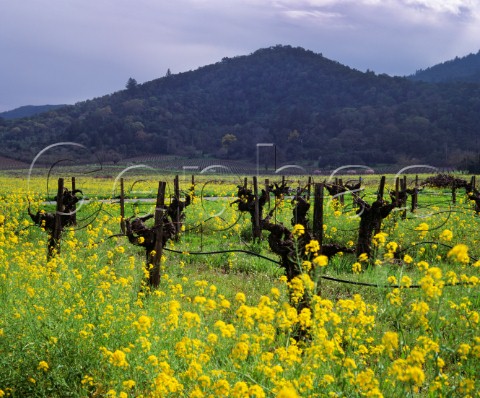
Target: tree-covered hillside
(315, 110)
(27, 111)
(464, 69)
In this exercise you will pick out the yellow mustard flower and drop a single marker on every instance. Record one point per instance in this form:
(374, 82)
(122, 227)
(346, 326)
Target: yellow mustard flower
(459, 253)
(42, 365)
(363, 257)
(298, 230)
(321, 260)
(312, 247)
(287, 392)
(446, 235)
(356, 267)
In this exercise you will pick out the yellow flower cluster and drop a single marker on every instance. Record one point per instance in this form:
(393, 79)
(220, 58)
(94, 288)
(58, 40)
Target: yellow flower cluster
(312, 247)
(459, 253)
(446, 235)
(298, 230)
(422, 228)
(379, 239)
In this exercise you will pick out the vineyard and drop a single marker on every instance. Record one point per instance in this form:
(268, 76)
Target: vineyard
(8, 163)
(215, 285)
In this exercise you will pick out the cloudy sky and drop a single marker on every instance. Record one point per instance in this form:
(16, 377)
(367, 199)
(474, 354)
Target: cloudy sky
(65, 51)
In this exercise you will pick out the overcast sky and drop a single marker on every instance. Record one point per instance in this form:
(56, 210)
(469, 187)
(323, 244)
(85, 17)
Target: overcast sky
(65, 51)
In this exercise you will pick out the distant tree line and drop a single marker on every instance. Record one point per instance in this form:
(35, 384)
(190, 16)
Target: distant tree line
(464, 69)
(315, 110)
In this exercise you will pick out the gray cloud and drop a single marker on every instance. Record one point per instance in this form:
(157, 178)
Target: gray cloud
(67, 51)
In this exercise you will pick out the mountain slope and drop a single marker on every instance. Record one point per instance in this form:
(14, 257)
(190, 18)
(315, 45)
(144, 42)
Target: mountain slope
(465, 69)
(315, 110)
(27, 111)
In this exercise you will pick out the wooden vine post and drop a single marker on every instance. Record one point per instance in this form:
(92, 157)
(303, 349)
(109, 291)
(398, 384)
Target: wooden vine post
(122, 206)
(318, 213)
(342, 197)
(176, 195)
(414, 199)
(192, 187)
(403, 190)
(309, 187)
(397, 192)
(54, 240)
(381, 191)
(155, 257)
(257, 232)
(403, 195)
(74, 209)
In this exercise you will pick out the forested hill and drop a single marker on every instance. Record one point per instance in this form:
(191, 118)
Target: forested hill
(315, 110)
(465, 69)
(27, 111)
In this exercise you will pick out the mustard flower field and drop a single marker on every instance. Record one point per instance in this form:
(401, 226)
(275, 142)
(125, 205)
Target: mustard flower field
(86, 323)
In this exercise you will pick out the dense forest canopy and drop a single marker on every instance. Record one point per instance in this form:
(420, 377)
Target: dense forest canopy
(315, 110)
(465, 69)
